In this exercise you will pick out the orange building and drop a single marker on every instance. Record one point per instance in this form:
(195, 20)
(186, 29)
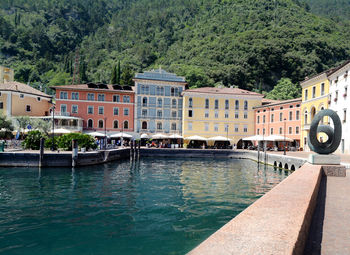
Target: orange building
(281, 118)
(101, 106)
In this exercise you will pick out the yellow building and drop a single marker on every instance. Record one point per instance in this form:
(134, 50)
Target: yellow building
(18, 99)
(6, 74)
(315, 92)
(226, 112)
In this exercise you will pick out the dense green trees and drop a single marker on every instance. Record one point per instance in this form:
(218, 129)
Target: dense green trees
(248, 43)
(284, 89)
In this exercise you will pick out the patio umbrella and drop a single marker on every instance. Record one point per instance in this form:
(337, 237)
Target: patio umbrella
(219, 138)
(121, 134)
(278, 138)
(95, 134)
(254, 138)
(176, 136)
(196, 138)
(144, 136)
(159, 136)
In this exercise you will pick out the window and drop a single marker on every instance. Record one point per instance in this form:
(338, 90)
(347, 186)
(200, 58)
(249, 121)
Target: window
(297, 115)
(344, 117)
(206, 114)
(159, 125)
(345, 91)
(189, 125)
(281, 116)
(290, 115)
(297, 130)
(126, 111)
(216, 114)
(206, 103)
(101, 97)
(313, 92)
(306, 94)
(264, 119)
(0, 94)
(172, 92)
(226, 128)
(190, 114)
(144, 101)
(90, 123)
(236, 128)
(216, 104)
(146, 90)
(245, 105)
(116, 98)
(291, 106)
(159, 114)
(90, 97)
(144, 125)
(190, 102)
(281, 108)
(144, 113)
(75, 95)
(263, 131)
(160, 102)
(245, 129)
(272, 117)
(63, 95)
(126, 99)
(173, 103)
(173, 126)
(322, 89)
(258, 120)
(245, 115)
(115, 124)
(177, 92)
(100, 110)
(173, 114)
(216, 127)
(226, 115)
(39, 99)
(236, 105)
(290, 130)
(115, 111)
(28, 108)
(227, 104)
(271, 131)
(258, 131)
(206, 126)
(90, 109)
(1, 105)
(305, 117)
(100, 124)
(126, 124)
(63, 108)
(280, 130)
(236, 115)
(160, 91)
(74, 108)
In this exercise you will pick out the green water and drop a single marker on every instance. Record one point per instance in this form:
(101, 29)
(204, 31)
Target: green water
(147, 207)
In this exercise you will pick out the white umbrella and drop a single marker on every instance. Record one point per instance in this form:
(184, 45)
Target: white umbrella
(219, 138)
(254, 138)
(176, 136)
(196, 138)
(278, 138)
(96, 134)
(145, 136)
(121, 134)
(61, 131)
(159, 136)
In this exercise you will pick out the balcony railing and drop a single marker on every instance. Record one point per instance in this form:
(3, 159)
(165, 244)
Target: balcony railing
(62, 113)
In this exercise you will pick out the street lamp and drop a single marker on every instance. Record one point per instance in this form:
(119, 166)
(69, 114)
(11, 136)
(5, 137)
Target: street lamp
(105, 143)
(284, 152)
(53, 126)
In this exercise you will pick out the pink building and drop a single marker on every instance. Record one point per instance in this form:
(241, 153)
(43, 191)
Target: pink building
(101, 106)
(281, 118)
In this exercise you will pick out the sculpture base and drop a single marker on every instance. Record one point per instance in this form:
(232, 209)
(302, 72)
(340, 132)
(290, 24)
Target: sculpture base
(319, 159)
(334, 170)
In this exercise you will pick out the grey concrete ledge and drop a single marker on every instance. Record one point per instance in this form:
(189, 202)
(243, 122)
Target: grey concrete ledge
(277, 223)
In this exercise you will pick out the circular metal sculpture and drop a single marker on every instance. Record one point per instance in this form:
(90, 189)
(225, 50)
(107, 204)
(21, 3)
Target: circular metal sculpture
(334, 135)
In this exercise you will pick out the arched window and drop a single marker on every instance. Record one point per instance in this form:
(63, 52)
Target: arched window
(322, 120)
(313, 112)
(237, 105)
(159, 125)
(190, 102)
(160, 102)
(305, 117)
(172, 92)
(173, 103)
(115, 124)
(100, 124)
(144, 125)
(90, 123)
(245, 105)
(144, 101)
(176, 91)
(126, 124)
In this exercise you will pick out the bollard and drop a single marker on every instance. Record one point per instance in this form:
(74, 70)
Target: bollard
(74, 152)
(41, 156)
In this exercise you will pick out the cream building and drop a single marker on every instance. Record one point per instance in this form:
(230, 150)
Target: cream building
(6, 74)
(226, 112)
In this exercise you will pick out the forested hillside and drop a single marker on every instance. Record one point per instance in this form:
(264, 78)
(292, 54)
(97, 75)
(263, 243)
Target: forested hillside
(248, 43)
(338, 10)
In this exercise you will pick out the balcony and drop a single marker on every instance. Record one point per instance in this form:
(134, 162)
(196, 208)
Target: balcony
(62, 113)
(306, 127)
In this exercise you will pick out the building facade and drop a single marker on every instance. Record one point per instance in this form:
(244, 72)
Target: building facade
(281, 118)
(339, 101)
(158, 102)
(18, 99)
(6, 74)
(102, 107)
(226, 112)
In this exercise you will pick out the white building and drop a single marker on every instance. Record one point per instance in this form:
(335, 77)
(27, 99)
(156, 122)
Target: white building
(339, 101)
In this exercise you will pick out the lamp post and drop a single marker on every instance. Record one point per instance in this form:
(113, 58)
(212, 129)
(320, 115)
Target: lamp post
(105, 143)
(284, 152)
(53, 126)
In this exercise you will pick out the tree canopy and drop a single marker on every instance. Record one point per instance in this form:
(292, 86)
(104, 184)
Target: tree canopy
(284, 89)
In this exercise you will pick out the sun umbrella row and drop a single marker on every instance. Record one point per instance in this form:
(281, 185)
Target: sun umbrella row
(272, 138)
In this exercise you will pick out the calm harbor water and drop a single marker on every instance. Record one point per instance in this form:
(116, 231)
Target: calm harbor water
(161, 206)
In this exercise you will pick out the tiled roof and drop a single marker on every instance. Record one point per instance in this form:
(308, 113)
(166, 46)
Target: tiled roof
(160, 75)
(96, 86)
(225, 90)
(279, 102)
(327, 72)
(23, 88)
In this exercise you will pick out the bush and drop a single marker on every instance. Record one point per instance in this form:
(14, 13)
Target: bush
(84, 141)
(48, 143)
(32, 141)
